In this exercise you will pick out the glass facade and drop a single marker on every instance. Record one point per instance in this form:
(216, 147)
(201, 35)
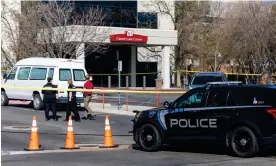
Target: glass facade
(147, 20)
(118, 13)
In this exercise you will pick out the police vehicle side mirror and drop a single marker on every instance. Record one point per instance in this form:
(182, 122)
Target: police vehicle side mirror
(171, 105)
(166, 104)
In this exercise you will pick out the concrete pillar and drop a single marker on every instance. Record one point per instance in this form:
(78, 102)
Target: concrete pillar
(80, 51)
(144, 82)
(133, 60)
(109, 81)
(166, 67)
(127, 82)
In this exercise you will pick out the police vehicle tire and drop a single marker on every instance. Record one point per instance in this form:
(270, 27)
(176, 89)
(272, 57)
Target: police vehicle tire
(4, 99)
(243, 142)
(37, 103)
(152, 141)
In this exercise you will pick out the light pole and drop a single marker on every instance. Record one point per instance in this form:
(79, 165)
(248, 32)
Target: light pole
(232, 66)
(216, 56)
(119, 68)
(186, 75)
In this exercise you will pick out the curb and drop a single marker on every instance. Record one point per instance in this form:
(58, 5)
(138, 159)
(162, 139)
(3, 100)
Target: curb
(114, 110)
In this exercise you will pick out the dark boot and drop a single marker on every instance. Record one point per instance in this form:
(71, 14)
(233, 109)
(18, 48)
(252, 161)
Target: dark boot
(84, 118)
(91, 117)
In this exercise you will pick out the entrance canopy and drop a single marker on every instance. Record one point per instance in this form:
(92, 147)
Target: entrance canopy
(134, 37)
(116, 35)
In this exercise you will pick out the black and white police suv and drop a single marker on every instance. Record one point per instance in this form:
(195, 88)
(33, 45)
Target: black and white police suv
(241, 116)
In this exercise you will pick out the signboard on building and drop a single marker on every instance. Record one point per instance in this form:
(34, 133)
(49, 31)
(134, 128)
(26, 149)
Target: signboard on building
(128, 37)
(120, 66)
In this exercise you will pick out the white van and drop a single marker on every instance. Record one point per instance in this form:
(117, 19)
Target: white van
(33, 72)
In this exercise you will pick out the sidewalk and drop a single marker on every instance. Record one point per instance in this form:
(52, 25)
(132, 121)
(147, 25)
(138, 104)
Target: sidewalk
(113, 109)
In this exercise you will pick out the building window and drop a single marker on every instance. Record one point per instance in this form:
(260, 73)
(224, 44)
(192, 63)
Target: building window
(117, 13)
(147, 20)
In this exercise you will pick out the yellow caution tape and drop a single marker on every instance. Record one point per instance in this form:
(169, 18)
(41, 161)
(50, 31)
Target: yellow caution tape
(97, 90)
(186, 71)
(239, 74)
(124, 74)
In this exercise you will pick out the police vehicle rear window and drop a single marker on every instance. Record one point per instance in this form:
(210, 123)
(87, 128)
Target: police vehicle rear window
(65, 74)
(252, 96)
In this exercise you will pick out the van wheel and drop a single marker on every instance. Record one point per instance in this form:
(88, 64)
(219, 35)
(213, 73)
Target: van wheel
(243, 142)
(149, 138)
(4, 99)
(37, 103)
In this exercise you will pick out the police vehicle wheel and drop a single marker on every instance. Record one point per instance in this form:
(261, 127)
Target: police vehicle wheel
(4, 99)
(243, 142)
(149, 138)
(37, 103)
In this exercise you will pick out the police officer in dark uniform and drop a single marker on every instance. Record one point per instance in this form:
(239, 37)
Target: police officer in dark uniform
(50, 99)
(72, 102)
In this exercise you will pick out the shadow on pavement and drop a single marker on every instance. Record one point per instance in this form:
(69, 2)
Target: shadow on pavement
(204, 148)
(59, 107)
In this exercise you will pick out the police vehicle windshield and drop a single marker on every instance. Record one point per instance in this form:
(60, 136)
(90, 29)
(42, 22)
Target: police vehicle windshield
(200, 80)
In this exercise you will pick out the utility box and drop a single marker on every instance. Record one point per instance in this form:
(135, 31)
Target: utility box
(158, 83)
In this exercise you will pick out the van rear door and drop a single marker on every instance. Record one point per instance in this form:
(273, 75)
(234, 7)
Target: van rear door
(79, 80)
(74, 70)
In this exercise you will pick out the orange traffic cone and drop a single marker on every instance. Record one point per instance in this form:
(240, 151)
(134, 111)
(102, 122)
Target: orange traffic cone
(34, 141)
(108, 141)
(70, 140)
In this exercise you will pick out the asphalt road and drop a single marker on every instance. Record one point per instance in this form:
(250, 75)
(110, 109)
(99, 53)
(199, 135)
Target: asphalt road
(52, 136)
(52, 133)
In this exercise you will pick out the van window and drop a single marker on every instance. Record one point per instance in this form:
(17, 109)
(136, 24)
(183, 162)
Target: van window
(11, 75)
(23, 73)
(78, 75)
(65, 74)
(51, 73)
(38, 74)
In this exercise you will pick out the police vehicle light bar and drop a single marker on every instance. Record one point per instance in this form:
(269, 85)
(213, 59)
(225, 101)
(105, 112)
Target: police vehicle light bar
(225, 83)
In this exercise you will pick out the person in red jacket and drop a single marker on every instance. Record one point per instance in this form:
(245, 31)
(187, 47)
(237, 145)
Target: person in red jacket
(89, 114)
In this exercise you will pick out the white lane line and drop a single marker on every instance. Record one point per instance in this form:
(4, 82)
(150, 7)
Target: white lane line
(3, 153)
